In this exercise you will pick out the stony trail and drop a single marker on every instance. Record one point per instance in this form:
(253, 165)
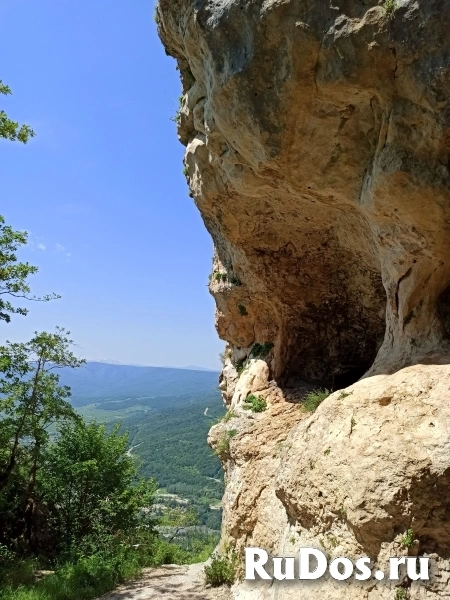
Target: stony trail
(173, 582)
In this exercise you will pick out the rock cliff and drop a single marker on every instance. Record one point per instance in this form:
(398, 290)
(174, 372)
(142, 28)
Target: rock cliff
(318, 150)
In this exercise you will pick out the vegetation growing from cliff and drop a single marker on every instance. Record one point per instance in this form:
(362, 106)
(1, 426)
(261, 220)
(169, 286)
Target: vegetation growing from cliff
(239, 365)
(313, 399)
(254, 403)
(257, 350)
(230, 414)
(390, 6)
(222, 569)
(223, 445)
(261, 350)
(242, 310)
(408, 539)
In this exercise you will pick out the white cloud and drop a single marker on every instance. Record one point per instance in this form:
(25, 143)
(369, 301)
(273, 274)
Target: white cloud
(41, 246)
(59, 247)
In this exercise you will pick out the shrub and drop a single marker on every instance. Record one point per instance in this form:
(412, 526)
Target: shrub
(88, 577)
(312, 400)
(17, 573)
(408, 539)
(389, 7)
(256, 404)
(239, 365)
(234, 280)
(261, 350)
(400, 594)
(242, 310)
(223, 445)
(221, 570)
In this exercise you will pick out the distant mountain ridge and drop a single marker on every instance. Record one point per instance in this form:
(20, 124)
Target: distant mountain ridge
(103, 382)
(118, 362)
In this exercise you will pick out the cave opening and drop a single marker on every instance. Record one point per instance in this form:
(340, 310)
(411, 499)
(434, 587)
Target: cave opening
(333, 344)
(348, 377)
(443, 305)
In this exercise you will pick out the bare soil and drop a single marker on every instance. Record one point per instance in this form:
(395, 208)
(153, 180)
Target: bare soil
(173, 582)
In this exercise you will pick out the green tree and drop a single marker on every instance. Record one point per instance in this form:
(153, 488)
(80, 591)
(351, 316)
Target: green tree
(11, 130)
(179, 518)
(14, 274)
(91, 481)
(31, 399)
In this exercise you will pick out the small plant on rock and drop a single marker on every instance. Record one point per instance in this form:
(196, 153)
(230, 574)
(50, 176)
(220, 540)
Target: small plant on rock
(221, 570)
(333, 541)
(254, 403)
(342, 513)
(242, 310)
(261, 350)
(408, 539)
(223, 445)
(312, 400)
(239, 365)
(401, 594)
(228, 416)
(389, 7)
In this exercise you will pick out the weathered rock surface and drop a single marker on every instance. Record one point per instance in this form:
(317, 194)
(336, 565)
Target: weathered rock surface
(318, 148)
(351, 479)
(318, 151)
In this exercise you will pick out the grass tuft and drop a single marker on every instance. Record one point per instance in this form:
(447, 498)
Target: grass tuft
(312, 400)
(254, 403)
(223, 445)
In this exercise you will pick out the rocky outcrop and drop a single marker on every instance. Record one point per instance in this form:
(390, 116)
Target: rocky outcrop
(370, 464)
(317, 150)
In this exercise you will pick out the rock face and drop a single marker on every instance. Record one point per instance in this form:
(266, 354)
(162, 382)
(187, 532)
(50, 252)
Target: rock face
(317, 150)
(370, 464)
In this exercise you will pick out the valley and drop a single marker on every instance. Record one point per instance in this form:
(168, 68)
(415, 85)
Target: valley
(167, 413)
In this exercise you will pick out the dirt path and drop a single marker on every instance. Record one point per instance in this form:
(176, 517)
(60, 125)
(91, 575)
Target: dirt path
(171, 582)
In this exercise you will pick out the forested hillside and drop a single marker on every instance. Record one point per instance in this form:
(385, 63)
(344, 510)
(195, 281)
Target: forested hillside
(167, 413)
(102, 382)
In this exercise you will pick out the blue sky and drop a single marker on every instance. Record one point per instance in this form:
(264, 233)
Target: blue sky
(100, 189)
